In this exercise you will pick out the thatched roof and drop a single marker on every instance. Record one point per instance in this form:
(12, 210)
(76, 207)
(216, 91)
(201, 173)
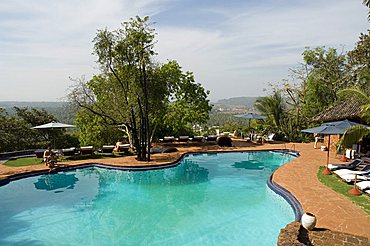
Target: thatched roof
(349, 109)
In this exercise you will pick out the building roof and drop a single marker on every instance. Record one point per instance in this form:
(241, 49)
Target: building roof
(349, 109)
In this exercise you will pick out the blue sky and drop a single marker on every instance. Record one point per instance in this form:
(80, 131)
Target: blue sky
(234, 48)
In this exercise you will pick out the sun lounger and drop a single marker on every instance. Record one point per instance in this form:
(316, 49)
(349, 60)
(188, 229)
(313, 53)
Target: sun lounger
(183, 138)
(211, 138)
(363, 185)
(197, 139)
(351, 165)
(364, 170)
(351, 177)
(107, 148)
(69, 151)
(86, 150)
(168, 139)
(123, 148)
(39, 153)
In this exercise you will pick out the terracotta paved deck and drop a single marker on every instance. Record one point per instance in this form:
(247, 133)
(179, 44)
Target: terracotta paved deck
(333, 210)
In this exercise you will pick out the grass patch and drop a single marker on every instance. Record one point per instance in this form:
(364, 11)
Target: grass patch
(29, 161)
(20, 162)
(338, 186)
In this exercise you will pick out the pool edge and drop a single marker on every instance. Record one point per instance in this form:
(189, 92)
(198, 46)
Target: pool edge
(278, 189)
(289, 197)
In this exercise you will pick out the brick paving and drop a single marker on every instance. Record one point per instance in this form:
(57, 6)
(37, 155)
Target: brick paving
(333, 211)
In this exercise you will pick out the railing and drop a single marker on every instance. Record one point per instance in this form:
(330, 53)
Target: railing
(291, 147)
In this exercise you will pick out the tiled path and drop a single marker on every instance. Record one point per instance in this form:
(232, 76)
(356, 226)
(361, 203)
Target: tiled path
(333, 210)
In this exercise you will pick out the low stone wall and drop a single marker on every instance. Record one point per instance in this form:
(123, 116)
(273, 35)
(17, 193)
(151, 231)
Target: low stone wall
(294, 234)
(7, 155)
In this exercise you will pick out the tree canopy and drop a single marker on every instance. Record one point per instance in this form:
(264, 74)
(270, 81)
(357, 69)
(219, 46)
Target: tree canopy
(135, 92)
(16, 131)
(324, 78)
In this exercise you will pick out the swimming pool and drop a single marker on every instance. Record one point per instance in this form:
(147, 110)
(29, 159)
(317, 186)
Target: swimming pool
(209, 199)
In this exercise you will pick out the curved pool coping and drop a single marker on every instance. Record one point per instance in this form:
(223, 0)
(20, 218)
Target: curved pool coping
(284, 193)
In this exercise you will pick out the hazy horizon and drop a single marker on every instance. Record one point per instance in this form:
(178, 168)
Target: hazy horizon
(21, 101)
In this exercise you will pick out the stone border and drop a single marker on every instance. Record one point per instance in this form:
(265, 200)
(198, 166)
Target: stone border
(293, 202)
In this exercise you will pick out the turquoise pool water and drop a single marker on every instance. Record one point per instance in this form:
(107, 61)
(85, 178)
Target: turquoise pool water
(209, 199)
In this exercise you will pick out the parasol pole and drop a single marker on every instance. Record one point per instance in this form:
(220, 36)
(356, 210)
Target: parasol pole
(326, 170)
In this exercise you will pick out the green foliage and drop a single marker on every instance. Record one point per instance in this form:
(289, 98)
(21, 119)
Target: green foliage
(327, 75)
(33, 116)
(17, 133)
(353, 135)
(360, 70)
(273, 107)
(93, 131)
(227, 121)
(340, 187)
(135, 92)
(320, 81)
(186, 103)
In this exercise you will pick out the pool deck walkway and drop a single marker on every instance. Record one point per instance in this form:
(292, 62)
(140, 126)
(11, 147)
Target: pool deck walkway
(333, 210)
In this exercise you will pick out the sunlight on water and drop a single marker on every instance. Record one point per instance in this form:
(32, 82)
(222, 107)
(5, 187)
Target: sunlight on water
(209, 199)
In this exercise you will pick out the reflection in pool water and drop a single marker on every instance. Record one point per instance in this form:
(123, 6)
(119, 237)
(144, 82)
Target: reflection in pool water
(206, 200)
(56, 181)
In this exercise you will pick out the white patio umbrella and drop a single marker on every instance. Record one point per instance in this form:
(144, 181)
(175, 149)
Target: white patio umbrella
(54, 125)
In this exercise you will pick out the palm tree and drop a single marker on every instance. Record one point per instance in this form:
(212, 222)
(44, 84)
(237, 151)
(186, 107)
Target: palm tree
(353, 135)
(272, 106)
(367, 4)
(361, 94)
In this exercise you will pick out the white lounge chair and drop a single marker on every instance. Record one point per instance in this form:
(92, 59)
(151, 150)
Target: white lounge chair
(270, 138)
(351, 165)
(363, 185)
(351, 177)
(364, 170)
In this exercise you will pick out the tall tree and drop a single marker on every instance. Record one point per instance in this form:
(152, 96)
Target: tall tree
(326, 75)
(359, 64)
(134, 91)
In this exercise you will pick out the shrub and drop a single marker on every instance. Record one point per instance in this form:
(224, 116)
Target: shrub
(224, 141)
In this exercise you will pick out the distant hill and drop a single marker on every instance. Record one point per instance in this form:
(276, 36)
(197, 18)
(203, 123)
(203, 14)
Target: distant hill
(10, 104)
(58, 109)
(238, 101)
(235, 105)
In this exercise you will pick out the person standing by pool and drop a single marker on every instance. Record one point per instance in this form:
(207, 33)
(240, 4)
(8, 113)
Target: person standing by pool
(47, 154)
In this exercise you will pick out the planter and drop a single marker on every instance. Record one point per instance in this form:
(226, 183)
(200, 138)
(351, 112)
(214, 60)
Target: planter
(308, 221)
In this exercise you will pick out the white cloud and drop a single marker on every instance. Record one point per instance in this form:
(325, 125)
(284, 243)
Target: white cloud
(236, 52)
